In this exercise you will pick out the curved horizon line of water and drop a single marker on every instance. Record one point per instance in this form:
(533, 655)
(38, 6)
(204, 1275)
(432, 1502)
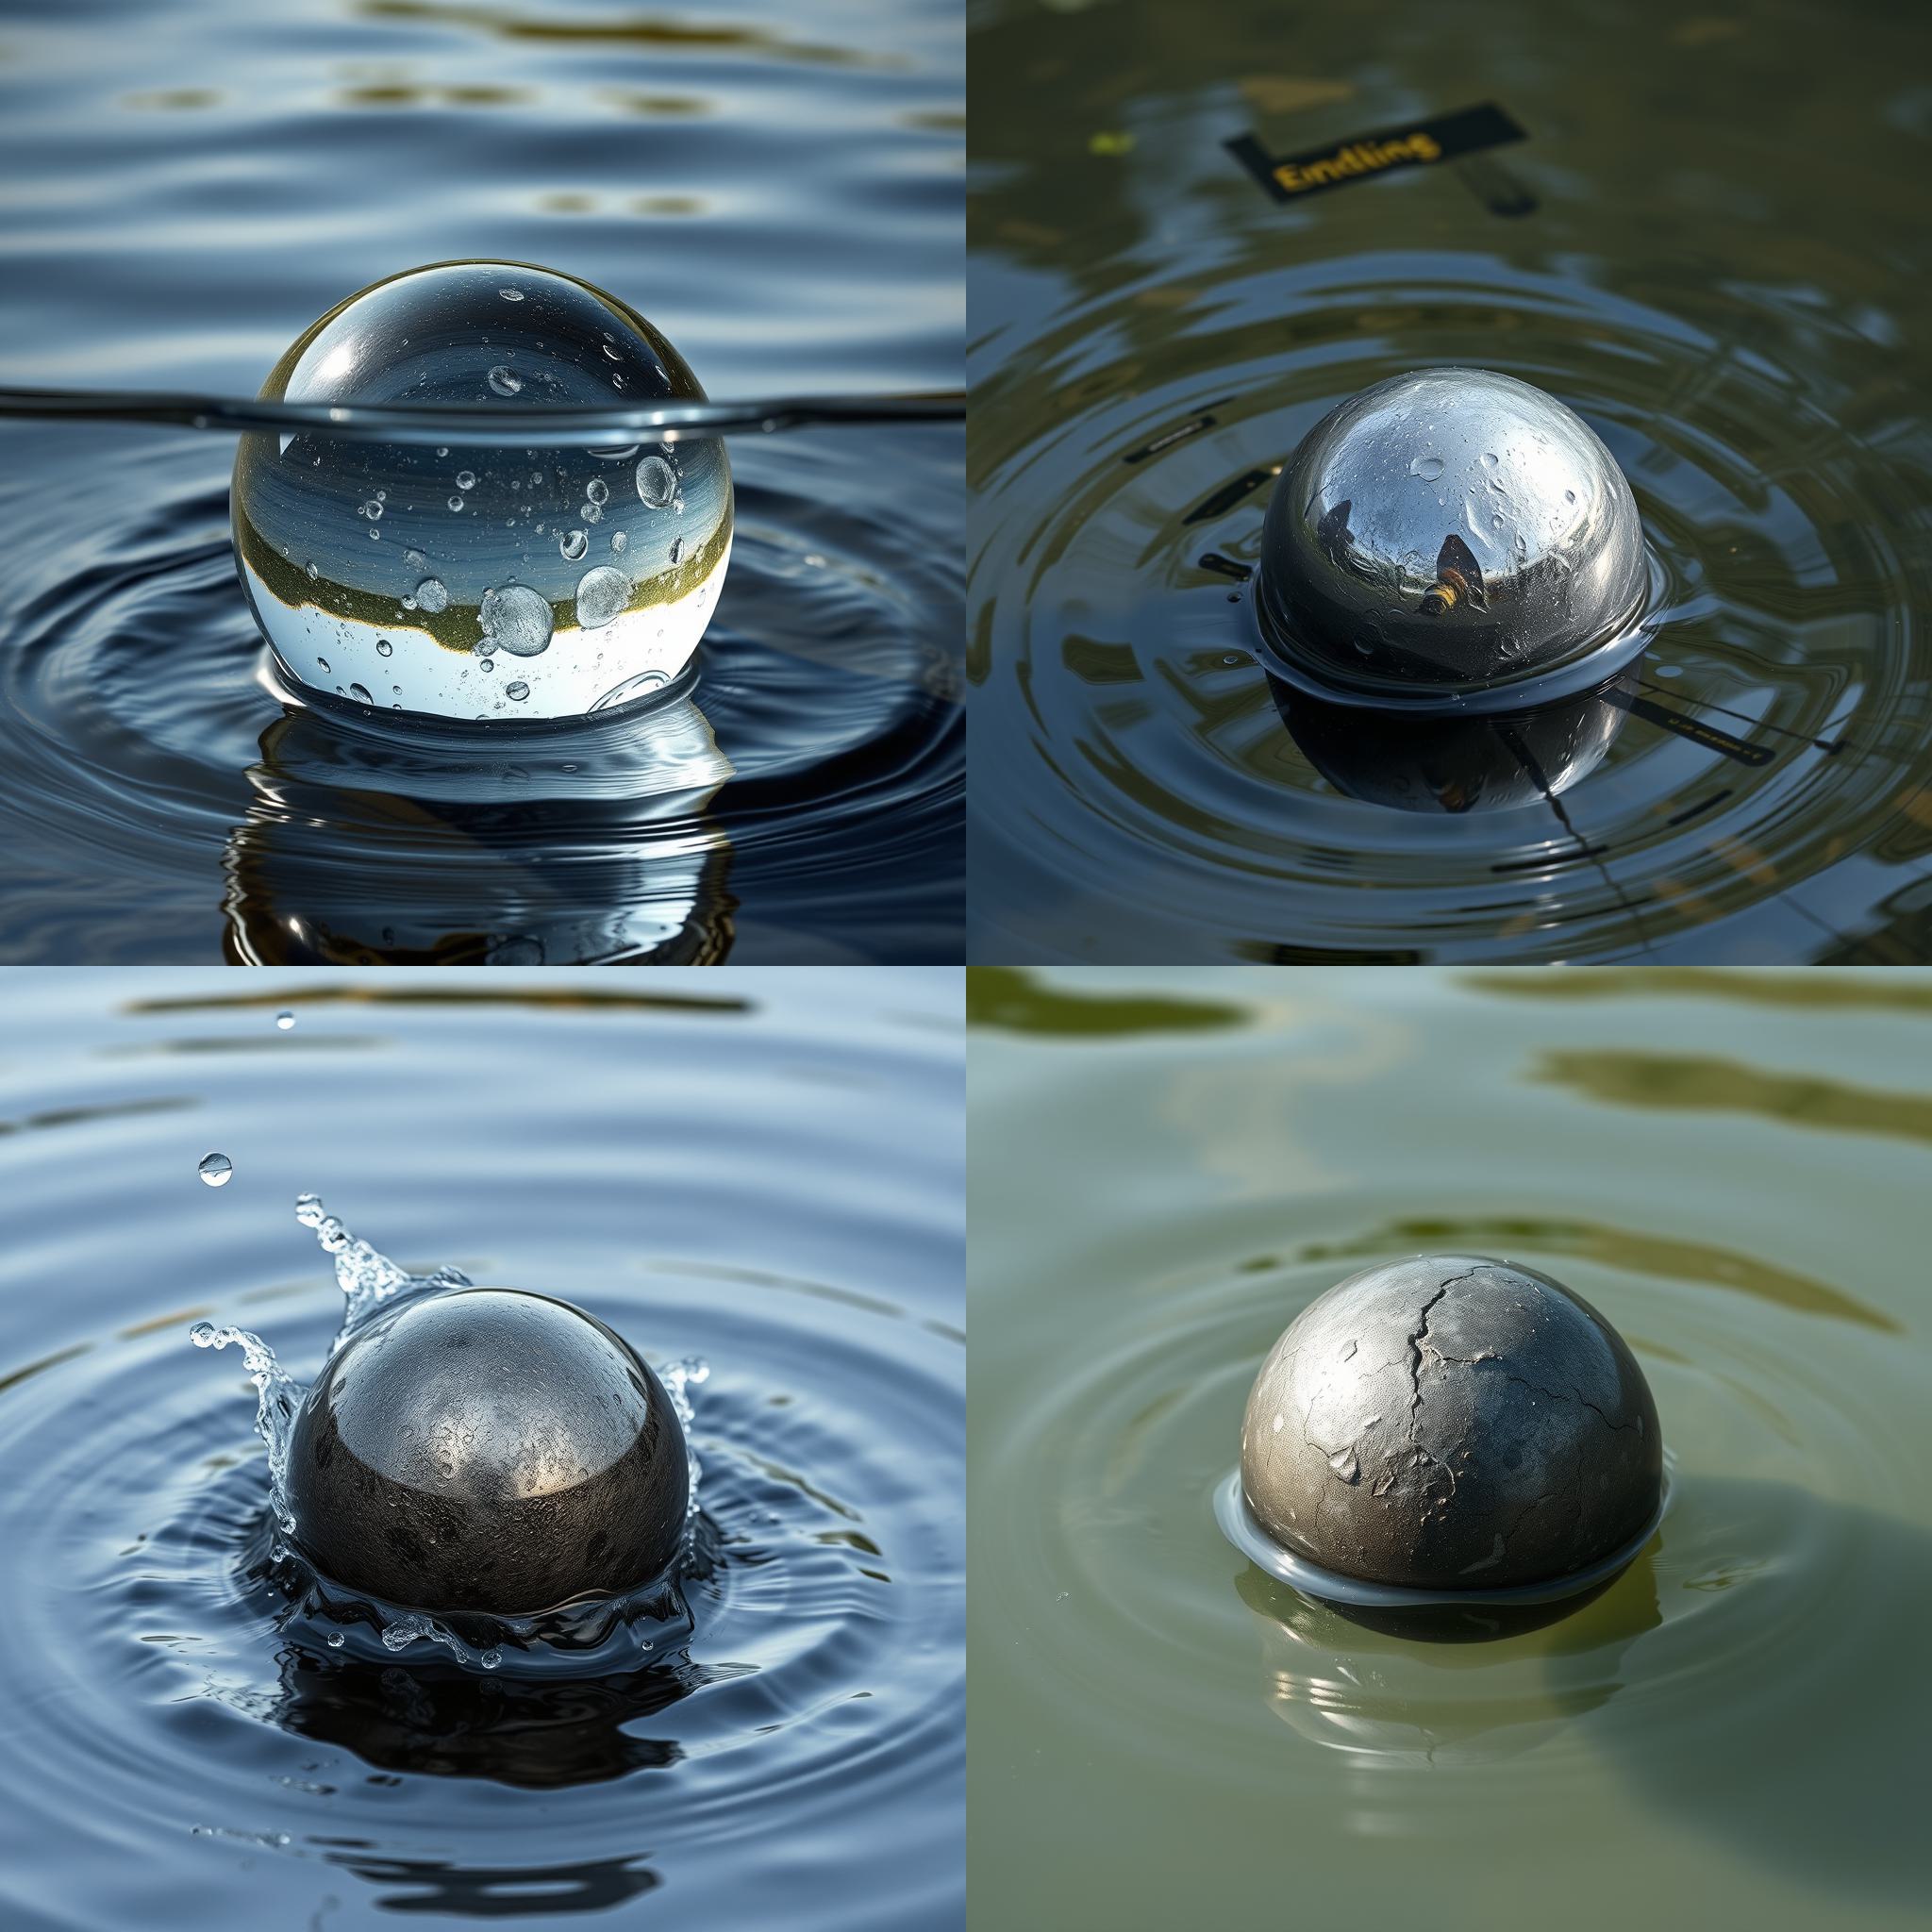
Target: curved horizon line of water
(393, 422)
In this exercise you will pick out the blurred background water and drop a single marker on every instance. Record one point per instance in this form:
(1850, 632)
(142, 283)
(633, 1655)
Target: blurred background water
(183, 188)
(1710, 244)
(762, 1169)
(1167, 1165)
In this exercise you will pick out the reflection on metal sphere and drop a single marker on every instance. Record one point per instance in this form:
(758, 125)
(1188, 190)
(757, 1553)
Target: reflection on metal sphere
(1452, 1423)
(1456, 762)
(497, 581)
(486, 1449)
(1451, 537)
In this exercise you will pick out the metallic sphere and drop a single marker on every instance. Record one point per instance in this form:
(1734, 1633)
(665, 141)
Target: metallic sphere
(1451, 1423)
(485, 1449)
(1451, 536)
(501, 581)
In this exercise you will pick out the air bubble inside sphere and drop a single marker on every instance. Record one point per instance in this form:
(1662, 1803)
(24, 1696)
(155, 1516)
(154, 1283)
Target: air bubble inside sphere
(405, 576)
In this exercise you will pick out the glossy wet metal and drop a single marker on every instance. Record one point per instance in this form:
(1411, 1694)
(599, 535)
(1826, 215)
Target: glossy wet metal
(488, 1450)
(1451, 535)
(1724, 293)
(1448, 1423)
(759, 1170)
(1169, 1165)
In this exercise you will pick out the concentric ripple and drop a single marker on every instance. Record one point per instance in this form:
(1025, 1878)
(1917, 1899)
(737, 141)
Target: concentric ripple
(1739, 1710)
(790, 1751)
(1762, 796)
(171, 801)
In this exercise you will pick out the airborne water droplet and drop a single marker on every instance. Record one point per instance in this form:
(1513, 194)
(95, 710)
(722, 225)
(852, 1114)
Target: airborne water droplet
(215, 1169)
(284, 1019)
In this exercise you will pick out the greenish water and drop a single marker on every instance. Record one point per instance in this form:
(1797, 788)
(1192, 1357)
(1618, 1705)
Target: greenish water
(1167, 1165)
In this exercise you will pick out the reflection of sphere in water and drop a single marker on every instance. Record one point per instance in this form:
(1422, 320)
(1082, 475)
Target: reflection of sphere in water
(499, 581)
(486, 1449)
(1449, 532)
(1451, 1423)
(1456, 762)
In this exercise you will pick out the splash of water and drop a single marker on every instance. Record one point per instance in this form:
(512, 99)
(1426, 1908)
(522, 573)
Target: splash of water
(370, 1282)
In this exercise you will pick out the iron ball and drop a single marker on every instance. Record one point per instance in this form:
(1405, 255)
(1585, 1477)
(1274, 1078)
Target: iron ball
(492, 1450)
(1452, 1423)
(1451, 537)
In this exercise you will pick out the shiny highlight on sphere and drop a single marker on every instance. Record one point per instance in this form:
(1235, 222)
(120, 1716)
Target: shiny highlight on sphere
(1449, 536)
(488, 1450)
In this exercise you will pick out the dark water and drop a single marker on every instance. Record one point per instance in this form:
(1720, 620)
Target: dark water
(1168, 1166)
(1711, 245)
(186, 187)
(762, 1174)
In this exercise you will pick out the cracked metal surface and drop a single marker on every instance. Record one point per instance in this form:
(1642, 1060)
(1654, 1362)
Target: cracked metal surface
(1451, 1422)
(488, 1450)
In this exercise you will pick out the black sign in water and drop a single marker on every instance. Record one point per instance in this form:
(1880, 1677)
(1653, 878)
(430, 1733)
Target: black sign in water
(1362, 158)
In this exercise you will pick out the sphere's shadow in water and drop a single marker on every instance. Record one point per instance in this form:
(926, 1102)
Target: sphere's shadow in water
(413, 849)
(1749, 1760)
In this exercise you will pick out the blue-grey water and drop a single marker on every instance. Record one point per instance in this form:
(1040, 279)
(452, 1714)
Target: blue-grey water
(761, 1169)
(187, 187)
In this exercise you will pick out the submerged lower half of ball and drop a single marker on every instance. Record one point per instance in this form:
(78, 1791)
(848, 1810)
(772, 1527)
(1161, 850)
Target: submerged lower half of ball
(489, 1450)
(1452, 1421)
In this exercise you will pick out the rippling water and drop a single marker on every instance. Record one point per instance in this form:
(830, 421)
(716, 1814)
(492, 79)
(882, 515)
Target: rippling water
(765, 1175)
(1167, 1165)
(189, 186)
(1724, 292)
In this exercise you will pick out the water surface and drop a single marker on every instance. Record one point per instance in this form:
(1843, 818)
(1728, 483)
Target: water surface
(189, 187)
(1167, 1165)
(1709, 245)
(761, 1169)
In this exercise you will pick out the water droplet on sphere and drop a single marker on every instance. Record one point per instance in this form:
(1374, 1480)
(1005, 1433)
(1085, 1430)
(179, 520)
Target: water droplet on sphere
(334, 1639)
(597, 490)
(314, 573)
(601, 594)
(432, 594)
(466, 479)
(506, 382)
(215, 1169)
(371, 508)
(284, 1019)
(511, 294)
(361, 694)
(1428, 468)
(656, 482)
(574, 543)
(519, 689)
(518, 618)
(383, 648)
(618, 539)
(456, 503)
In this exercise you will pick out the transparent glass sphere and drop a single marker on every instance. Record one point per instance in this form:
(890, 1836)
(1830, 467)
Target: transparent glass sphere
(495, 581)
